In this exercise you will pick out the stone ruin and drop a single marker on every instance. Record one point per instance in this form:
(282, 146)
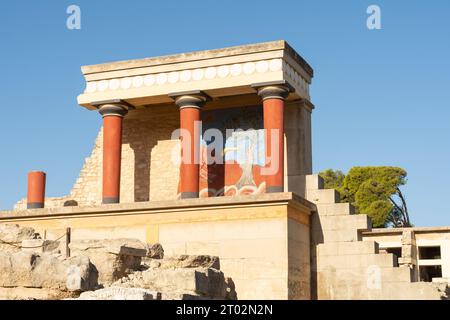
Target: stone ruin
(115, 269)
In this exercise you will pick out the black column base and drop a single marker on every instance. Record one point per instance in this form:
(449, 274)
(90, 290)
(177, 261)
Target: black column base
(35, 205)
(110, 200)
(189, 195)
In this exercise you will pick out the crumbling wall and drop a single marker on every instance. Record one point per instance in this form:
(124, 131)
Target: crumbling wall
(128, 269)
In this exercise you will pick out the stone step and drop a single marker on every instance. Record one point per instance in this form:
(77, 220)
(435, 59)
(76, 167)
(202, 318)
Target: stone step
(411, 291)
(362, 283)
(346, 235)
(370, 275)
(335, 209)
(356, 261)
(386, 291)
(314, 182)
(323, 196)
(347, 248)
(332, 223)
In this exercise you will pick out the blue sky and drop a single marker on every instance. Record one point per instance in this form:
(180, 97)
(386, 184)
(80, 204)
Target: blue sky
(382, 96)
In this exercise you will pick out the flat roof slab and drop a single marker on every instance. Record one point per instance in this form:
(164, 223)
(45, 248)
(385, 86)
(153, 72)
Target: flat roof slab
(219, 73)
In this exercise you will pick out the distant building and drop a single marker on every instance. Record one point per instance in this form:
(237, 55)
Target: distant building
(426, 250)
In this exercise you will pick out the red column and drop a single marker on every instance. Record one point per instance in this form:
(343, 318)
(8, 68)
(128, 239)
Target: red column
(190, 104)
(36, 190)
(273, 107)
(112, 151)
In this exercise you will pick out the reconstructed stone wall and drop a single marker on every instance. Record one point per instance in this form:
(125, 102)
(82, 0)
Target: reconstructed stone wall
(145, 143)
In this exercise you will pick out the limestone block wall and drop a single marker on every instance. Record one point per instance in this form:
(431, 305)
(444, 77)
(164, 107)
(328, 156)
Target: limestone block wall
(267, 258)
(87, 187)
(163, 171)
(298, 147)
(146, 141)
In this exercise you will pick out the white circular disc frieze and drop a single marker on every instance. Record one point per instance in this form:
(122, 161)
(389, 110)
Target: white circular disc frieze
(249, 67)
(114, 84)
(262, 66)
(198, 74)
(103, 85)
(185, 75)
(161, 78)
(210, 73)
(223, 71)
(149, 80)
(236, 69)
(125, 83)
(173, 77)
(275, 65)
(91, 87)
(138, 81)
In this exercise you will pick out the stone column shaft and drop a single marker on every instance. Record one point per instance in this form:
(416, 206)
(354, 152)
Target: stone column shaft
(112, 151)
(273, 96)
(36, 189)
(190, 104)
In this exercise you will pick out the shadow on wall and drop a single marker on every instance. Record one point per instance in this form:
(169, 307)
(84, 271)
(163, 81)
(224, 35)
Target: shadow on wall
(142, 148)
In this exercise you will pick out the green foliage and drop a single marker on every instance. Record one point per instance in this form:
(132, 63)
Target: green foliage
(379, 212)
(372, 191)
(373, 199)
(390, 178)
(333, 179)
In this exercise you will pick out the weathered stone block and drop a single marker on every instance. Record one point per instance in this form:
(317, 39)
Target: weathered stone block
(39, 245)
(82, 275)
(347, 248)
(191, 261)
(113, 259)
(27, 269)
(357, 261)
(155, 251)
(314, 182)
(12, 235)
(120, 293)
(323, 196)
(335, 209)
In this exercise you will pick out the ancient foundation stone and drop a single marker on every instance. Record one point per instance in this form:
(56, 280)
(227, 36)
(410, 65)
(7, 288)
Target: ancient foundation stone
(155, 251)
(31, 270)
(12, 235)
(120, 293)
(182, 277)
(113, 259)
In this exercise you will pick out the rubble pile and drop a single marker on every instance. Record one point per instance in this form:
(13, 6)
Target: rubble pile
(110, 269)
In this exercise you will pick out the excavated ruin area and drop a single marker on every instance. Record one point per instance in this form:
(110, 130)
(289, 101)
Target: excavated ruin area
(119, 269)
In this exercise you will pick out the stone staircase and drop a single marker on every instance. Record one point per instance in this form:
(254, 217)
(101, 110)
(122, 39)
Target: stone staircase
(345, 267)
